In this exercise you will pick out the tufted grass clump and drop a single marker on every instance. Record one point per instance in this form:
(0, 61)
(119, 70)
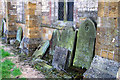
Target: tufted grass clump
(8, 68)
(4, 53)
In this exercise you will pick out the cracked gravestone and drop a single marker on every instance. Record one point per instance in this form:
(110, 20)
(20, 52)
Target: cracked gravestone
(85, 44)
(42, 50)
(60, 58)
(54, 40)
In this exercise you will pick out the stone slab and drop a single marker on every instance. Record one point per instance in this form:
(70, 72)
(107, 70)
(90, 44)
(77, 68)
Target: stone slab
(19, 34)
(54, 41)
(102, 68)
(85, 44)
(60, 58)
(42, 50)
(67, 39)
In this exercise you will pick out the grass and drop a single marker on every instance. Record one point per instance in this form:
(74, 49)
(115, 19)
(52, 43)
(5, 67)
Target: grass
(4, 53)
(16, 71)
(7, 67)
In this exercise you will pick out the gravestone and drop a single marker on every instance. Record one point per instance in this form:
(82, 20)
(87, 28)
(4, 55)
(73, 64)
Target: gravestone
(42, 50)
(19, 34)
(54, 40)
(85, 44)
(67, 39)
(3, 28)
(102, 68)
(60, 58)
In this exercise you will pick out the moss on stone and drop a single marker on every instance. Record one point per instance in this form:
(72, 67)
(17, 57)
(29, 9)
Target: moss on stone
(85, 44)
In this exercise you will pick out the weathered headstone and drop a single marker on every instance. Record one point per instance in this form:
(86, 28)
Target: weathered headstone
(54, 40)
(19, 34)
(60, 58)
(42, 50)
(67, 39)
(3, 28)
(85, 44)
(102, 68)
(21, 44)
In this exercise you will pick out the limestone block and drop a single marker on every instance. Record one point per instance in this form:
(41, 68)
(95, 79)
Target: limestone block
(12, 17)
(110, 56)
(11, 28)
(113, 9)
(108, 9)
(119, 8)
(33, 36)
(30, 12)
(11, 36)
(11, 24)
(117, 58)
(107, 38)
(32, 23)
(45, 20)
(31, 17)
(38, 12)
(31, 5)
(33, 32)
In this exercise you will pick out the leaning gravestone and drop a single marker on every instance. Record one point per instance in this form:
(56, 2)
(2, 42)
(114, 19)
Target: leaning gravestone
(54, 40)
(19, 34)
(60, 58)
(40, 52)
(67, 39)
(3, 28)
(85, 44)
